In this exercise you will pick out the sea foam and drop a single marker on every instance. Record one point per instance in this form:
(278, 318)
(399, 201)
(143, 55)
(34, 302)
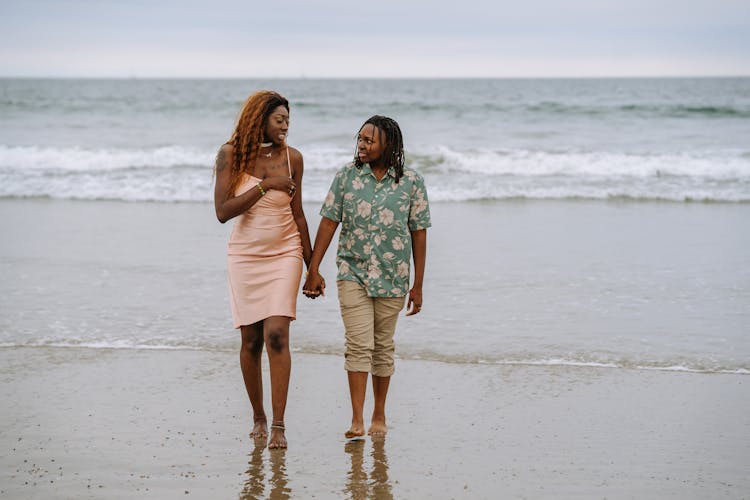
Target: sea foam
(184, 174)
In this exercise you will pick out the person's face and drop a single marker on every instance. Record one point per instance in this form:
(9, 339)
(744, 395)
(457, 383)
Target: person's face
(277, 125)
(370, 144)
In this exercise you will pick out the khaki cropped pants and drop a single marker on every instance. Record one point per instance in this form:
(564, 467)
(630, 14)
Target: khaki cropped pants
(370, 323)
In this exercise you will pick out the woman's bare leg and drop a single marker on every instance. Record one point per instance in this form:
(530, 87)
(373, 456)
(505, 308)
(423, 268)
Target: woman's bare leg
(357, 391)
(380, 392)
(276, 334)
(250, 361)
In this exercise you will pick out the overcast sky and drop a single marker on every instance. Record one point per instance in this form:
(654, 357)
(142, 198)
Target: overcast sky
(383, 38)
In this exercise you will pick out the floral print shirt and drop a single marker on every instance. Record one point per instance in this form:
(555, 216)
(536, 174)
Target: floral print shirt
(377, 218)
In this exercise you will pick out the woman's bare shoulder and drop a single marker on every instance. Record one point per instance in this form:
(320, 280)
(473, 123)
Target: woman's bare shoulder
(294, 154)
(224, 156)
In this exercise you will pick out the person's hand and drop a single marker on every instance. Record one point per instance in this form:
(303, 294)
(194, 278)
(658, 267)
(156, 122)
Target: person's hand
(314, 286)
(280, 183)
(415, 301)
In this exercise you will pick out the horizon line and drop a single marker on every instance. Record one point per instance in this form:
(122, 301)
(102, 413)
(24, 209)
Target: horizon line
(303, 77)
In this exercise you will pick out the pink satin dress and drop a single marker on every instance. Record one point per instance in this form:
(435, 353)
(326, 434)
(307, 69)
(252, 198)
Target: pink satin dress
(264, 258)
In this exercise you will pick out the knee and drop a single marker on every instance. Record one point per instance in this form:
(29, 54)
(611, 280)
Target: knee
(252, 343)
(360, 345)
(277, 339)
(384, 344)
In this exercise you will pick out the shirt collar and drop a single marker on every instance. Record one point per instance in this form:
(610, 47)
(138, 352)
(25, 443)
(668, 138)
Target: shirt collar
(366, 170)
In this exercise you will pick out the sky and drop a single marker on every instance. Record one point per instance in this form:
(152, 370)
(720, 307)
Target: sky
(374, 39)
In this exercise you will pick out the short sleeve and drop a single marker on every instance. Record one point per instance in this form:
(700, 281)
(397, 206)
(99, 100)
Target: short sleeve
(333, 205)
(419, 213)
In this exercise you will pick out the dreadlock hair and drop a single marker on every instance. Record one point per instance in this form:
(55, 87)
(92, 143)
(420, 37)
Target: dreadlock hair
(393, 155)
(248, 134)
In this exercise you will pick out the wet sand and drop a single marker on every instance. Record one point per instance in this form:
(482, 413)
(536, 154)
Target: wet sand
(624, 283)
(121, 423)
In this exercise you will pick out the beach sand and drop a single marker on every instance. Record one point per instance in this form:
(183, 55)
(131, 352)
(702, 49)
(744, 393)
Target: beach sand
(100, 419)
(124, 423)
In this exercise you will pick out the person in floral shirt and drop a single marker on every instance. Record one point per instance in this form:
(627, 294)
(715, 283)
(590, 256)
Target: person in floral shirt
(384, 215)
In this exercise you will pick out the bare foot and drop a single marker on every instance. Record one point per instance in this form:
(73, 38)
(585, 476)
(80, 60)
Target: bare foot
(260, 430)
(377, 428)
(278, 440)
(355, 431)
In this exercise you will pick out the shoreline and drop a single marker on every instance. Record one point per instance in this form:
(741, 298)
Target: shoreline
(552, 363)
(89, 423)
(586, 281)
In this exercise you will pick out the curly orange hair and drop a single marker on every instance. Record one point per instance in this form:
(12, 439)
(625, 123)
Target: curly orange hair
(248, 134)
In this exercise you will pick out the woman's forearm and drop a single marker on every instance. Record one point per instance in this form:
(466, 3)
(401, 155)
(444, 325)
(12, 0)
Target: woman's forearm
(226, 204)
(304, 234)
(419, 254)
(323, 237)
(237, 205)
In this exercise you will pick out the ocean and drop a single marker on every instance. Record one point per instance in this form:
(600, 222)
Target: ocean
(651, 139)
(593, 222)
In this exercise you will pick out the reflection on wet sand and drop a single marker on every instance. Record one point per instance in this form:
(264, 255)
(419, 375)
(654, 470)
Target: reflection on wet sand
(255, 484)
(356, 481)
(279, 480)
(381, 486)
(361, 486)
(256, 478)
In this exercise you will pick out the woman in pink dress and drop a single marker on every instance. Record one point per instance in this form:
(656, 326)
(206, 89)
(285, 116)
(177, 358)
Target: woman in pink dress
(259, 184)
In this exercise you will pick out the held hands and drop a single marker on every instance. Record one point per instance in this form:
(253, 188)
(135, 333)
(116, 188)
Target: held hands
(314, 286)
(415, 301)
(280, 183)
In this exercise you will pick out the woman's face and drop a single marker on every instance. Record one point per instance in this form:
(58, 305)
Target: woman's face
(277, 126)
(370, 144)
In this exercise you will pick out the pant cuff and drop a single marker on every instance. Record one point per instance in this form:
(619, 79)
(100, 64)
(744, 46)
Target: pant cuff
(353, 366)
(383, 371)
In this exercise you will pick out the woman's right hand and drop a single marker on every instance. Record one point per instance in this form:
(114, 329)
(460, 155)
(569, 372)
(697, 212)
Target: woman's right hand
(280, 183)
(314, 286)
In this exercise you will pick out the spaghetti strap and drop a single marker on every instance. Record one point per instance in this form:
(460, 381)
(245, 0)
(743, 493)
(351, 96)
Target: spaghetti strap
(288, 163)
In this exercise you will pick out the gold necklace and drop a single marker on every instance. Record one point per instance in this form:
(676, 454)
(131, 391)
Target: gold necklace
(265, 145)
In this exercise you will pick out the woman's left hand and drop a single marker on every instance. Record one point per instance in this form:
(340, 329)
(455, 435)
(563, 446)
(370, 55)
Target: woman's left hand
(415, 301)
(314, 286)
